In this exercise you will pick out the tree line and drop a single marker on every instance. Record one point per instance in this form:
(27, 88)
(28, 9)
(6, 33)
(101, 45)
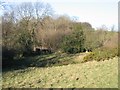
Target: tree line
(33, 25)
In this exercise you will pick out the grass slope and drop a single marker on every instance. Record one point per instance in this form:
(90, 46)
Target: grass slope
(103, 74)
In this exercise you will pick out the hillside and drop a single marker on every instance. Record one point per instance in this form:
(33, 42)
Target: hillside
(43, 49)
(103, 74)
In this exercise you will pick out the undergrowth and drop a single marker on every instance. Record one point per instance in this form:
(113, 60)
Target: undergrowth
(101, 54)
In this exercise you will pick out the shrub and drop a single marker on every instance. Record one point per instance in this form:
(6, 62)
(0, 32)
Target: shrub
(101, 54)
(74, 43)
(88, 57)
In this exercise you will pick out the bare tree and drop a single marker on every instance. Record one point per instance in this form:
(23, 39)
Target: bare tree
(30, 17)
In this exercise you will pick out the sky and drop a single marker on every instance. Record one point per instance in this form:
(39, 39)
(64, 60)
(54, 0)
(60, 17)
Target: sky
(96, 12)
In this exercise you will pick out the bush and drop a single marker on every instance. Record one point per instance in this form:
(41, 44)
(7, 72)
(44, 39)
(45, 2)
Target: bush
(74, 43)
(101, 54)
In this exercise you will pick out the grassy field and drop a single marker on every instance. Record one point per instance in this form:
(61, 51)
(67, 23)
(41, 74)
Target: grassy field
(103, 74)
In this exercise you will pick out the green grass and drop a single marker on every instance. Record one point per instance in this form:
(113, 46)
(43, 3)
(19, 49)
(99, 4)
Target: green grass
(55, 59)
(103, 74)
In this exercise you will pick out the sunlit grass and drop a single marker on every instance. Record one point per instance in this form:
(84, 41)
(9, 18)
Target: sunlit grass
(92, 74)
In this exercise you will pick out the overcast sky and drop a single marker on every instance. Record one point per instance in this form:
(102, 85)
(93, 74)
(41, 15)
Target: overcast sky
(96, 12)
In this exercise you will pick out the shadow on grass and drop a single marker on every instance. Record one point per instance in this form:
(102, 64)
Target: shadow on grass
(48, 60)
